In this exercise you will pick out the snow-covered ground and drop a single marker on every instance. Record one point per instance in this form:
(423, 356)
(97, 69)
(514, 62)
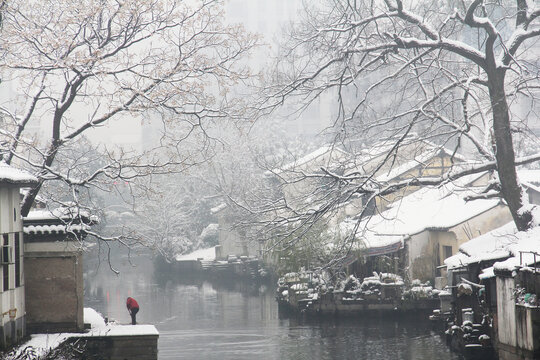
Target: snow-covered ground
(41, 344)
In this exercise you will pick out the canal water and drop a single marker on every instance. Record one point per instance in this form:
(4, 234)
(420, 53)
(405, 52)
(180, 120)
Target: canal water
(199, 319)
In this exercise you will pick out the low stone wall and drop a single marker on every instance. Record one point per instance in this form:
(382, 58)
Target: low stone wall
(188, 266)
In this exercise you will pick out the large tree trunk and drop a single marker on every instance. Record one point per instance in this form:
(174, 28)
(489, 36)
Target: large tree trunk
(504, 150)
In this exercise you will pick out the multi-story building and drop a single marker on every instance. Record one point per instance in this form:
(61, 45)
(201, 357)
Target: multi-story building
(12, 302)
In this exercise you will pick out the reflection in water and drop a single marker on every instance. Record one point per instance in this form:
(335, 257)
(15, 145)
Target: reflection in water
(202, 320)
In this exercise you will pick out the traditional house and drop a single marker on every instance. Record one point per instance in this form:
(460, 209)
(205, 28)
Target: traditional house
(417, 233)
(505, 265)
(12, 295)
(296, 179)
(518, 304)
(483, 251)
(530, 179)
(302, 180)
(54, 270)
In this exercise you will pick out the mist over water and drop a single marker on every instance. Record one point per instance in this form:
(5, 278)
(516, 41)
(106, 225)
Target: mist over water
(199, 319)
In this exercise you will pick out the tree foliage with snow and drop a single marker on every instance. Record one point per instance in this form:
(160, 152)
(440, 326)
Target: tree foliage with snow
(461, 74)
(75, 66)
(175, 216)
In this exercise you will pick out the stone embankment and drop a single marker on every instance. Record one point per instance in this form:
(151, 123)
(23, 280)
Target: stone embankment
(378, 295)
(103, 341)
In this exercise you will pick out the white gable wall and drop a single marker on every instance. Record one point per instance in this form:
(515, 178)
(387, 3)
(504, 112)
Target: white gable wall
(482, 224)
(12, 328)
(426, 247)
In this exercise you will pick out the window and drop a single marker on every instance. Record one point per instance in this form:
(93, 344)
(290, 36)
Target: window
(5, 267)
(447, 251)
(17, 260)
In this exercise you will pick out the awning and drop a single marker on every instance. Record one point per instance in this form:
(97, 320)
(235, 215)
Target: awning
(382, 250)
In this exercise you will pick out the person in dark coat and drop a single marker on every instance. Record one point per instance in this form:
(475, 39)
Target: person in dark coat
(133, 308)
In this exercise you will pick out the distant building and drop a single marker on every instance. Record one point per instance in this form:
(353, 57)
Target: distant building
(232, 241)
(12, 290)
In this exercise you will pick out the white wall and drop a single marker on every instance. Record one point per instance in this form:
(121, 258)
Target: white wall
(506, 312)
(11, 223)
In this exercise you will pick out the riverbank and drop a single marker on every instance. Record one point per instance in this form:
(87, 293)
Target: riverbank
(106, 341)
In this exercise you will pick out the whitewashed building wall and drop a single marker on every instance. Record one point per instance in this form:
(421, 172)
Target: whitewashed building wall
(506, 312)
(12, 305)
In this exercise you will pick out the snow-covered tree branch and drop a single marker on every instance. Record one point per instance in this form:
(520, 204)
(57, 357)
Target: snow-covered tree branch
(451, 74)
(75, 67)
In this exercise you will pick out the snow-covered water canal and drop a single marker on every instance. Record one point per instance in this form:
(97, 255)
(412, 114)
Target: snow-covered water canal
(203, 320)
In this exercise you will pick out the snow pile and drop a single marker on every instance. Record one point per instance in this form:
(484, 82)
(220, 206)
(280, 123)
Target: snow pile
(464, 289)
(299, 287)
(64, 213)
(371, 288)
(93, 318)
(487, 273)
(389, 278)
(420, 291)
(351, 287)
(38, 346)
(371, 281)
(303, 284)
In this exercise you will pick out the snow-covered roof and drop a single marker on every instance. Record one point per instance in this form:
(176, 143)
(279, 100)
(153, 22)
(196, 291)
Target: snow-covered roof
(530, 179)
(384, 146)
(521, 250)
(515, 249)
(57, 221)
(430, 208)
(14, 176)
(529, 176)
(489, 246)
(421, 160)
(61, 213)
(314, 155)
(54, 229)
(205, 254)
